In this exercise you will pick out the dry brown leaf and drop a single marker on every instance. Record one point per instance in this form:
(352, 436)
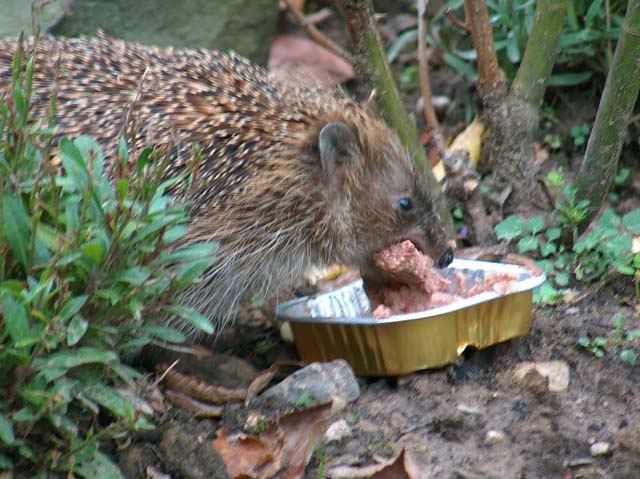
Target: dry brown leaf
(261, 381)
(401, 467)
(285, 447)
(198, 388)
(250, 457)
(297, 56)
(470, 140)
(298, 4)
(199, 408)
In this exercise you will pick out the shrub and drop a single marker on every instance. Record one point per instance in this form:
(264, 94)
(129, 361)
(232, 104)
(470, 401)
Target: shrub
(586, 37)
(85, 259)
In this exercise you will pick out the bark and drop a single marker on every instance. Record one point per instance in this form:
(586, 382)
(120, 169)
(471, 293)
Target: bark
(370, 61)
(491, 81)
(616, 105)
(513, 119)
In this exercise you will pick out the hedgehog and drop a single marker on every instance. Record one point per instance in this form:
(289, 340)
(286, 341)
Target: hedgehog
(290, 175)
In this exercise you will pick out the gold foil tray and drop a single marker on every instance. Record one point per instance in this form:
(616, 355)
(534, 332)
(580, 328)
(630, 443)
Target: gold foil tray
(338, 324)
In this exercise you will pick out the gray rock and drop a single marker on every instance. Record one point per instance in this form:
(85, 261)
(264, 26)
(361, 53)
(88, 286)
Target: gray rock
(317, 383)
(16, 16)
(338, 431)
(216, 25)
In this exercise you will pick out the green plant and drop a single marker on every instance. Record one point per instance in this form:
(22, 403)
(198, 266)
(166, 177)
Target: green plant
(553, 140)
(85, 259)
(604, 250)
(318, 454)
(303, 401)
(622, 343)
(584, 47)
(579, 134)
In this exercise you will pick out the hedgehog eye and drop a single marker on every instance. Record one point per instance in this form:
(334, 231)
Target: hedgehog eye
(405, 204)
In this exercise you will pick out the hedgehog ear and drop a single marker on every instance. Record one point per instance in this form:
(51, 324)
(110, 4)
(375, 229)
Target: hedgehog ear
(336, 143)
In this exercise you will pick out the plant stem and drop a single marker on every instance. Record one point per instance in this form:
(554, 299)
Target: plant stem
(616, 104)
(491, 81)
(540, 52)
(316, 34)
(370, 61)
(425, 81)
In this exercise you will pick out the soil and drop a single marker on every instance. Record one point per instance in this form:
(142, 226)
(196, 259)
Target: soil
(442, 417)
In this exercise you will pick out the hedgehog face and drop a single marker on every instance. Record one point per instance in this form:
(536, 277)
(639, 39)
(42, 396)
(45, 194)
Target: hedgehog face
(383, 199)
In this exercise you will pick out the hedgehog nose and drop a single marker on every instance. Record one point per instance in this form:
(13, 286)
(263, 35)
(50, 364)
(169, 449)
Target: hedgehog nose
(446, 258)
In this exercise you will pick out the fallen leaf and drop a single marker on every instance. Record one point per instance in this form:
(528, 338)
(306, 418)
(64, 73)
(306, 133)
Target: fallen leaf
(556, 372)
(297, 56)
(284, 448)
(199, 408)
(401, 467)
(249, 457)
(470, 140)
(198, 388)
(541, 153)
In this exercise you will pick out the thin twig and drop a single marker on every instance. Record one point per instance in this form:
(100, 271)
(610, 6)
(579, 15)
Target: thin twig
(316, 34)
(425, 82)
(456, 21)
(491, 82)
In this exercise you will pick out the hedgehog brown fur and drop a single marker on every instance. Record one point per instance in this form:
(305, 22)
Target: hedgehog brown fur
(291, 175)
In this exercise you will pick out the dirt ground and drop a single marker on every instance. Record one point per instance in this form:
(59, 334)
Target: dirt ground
(469, 420)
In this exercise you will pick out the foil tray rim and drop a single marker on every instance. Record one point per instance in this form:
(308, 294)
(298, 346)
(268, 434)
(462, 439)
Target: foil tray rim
(529, 283)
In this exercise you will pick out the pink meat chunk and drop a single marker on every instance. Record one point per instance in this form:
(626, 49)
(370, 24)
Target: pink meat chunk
(415, 285)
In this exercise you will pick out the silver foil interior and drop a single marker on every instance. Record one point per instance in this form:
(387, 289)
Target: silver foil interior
(350, 304)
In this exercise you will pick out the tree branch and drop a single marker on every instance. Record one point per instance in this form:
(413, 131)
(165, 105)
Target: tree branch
(610, 127)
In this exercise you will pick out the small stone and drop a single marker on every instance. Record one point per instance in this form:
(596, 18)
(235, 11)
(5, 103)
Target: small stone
(600, 449)
(494, 437)
(320, 382)
(338, 431)
(397, 420)
(466, 409)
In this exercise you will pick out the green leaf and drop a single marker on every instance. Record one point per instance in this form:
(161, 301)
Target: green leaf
(72, 306)
(633, 334)
(164, 333)
(110, 399)
(74, 164)
(5, 462)
(535, 224)
(511, 228)
(631, 222)
(16, 228)
(584, 342)
(77, 328)
(569, 79)
(530, 243)
(404, 39)
(94, 250)
(15, 319)
(562, 279)
(67, 359)
(190, 272)
(99, 466)
(135, 276)
(513, 49)
(629, 356)
(609, 219)
(553, 233)
(6, 430)
(547, 249)
(198, 320)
